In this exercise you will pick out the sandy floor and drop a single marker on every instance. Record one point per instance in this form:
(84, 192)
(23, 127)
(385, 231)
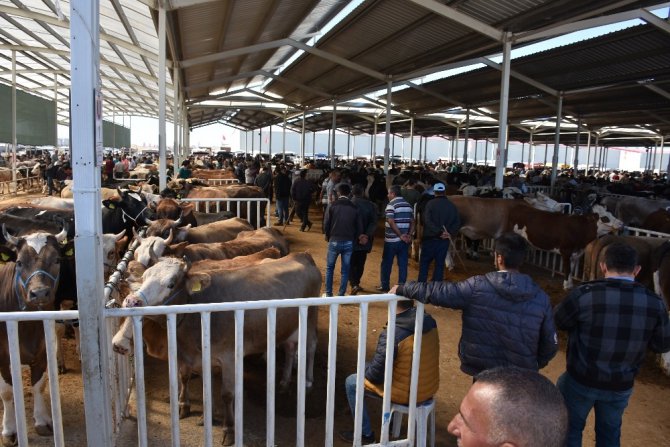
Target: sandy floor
(646, 422)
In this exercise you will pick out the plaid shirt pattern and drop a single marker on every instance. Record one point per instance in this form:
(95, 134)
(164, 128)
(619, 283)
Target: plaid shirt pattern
(611, 323)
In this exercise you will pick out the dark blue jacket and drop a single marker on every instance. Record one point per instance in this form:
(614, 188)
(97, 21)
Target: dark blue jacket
(507, 319)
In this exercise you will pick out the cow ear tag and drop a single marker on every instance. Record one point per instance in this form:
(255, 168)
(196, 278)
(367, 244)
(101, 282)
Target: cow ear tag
(196, 286)
(111, 206)
(4, 257)
(69, 251)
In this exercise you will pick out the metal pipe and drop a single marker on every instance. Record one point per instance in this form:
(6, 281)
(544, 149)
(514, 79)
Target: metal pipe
(502, 120)
(557, 139)
(387, 135)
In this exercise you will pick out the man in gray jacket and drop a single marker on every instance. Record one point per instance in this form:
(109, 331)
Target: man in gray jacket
(368, 212)
(507, 317)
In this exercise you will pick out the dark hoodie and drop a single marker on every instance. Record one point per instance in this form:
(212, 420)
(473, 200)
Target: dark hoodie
(507, 319)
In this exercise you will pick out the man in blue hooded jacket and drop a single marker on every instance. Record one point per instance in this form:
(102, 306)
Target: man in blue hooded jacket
(507, 317)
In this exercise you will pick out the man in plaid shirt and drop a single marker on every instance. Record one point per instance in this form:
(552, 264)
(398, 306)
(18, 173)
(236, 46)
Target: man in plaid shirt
(611, 323)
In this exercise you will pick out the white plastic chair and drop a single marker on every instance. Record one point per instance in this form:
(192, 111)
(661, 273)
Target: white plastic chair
(424, 411)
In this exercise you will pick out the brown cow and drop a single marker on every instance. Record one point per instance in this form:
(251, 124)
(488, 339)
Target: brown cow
(213, 174)
(295, 276)
(659, 221)
(489, 218)
(246, 243)
(163, 232)
(28, 284)
(173, 210)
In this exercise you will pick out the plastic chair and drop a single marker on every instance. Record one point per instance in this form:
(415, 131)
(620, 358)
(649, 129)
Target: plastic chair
(424, 411)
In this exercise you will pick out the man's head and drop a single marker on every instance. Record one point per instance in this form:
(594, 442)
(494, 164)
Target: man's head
(303, 173)
(510, 250)
(394, 191)
(343, 190)
(510, 407)
(357, 190)
(620, 260)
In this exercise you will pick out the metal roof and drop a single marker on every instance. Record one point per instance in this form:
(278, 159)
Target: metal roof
(38, 31)
(256, 63)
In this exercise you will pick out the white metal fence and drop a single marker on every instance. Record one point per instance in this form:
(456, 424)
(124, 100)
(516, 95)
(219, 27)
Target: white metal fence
(633, 231)
(219, 181)
(255, 210)
(25, 183)
(120, 390)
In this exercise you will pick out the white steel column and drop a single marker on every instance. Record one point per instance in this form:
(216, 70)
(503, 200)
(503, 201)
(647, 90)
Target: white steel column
(467, 137)
(270, 142)
(486, 152)
(302, 139)
(86, 152)
(56, 111)
(660, 157)
(332, 141)
(575, 161)
(162, 159)
(374, 141)
(502, 120)
(458, 136)
(176, 159)
(313, 146)
(530, 150)
(557, 139)
(588, 153)
(14, 185)
(283, 139)
(411, 140)
(349, 143)
(387, 136)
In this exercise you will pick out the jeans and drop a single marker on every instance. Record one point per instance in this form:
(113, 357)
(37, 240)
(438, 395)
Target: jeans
(358, 258)
(391, 250)
(433, 250)
(282, 209)
(609, 407)
(350, 388)
(335, 249)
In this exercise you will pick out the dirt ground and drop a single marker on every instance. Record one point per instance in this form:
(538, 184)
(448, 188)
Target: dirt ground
(646, 421)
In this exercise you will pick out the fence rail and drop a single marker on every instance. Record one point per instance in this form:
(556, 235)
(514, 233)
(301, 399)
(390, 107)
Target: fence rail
(219, 181)
(255, 210)
(25, 183)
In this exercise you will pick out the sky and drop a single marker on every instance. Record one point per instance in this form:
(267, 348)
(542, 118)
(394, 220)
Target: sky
(144, 131)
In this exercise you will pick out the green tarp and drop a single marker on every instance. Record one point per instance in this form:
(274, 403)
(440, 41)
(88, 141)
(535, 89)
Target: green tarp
(35, 118)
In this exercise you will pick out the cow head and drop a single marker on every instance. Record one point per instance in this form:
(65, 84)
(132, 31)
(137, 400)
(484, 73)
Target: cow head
(150, 246)
(37, 266)
(112, 247)
(163, 228)
(131, 205)
(160, 283)
(607, 223)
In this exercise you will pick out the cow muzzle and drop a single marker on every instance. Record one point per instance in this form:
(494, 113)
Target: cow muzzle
(136, 299)
(39, 296)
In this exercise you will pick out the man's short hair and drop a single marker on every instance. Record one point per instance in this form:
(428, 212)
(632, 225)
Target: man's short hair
(343, 189)
(357, 190)
(395, 189)
(528, 409)
(405, 304)
(303, 173)
(620, 257)
(512, 247)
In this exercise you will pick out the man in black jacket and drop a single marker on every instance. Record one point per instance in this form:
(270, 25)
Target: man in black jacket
(507, 317)
(302, 191)
(368, 212)
(343, 225)
(440, 222)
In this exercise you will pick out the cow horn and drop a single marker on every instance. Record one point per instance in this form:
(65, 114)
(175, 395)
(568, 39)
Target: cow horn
(118, 189)
(8, 237)
(187, 264)
(121, 234)
(152, 254)
(137, 235)
(168, 241)
(62, 236)
(178, 221)
(149, 221)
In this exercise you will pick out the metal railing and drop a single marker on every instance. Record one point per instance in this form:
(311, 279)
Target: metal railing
(539, 188)
(271, 306)
(634, 231)
(24, 183)
(219, 181)
(250, 209)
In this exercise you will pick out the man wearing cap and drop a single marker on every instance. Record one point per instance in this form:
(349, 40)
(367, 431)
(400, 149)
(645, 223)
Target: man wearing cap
(440, 222)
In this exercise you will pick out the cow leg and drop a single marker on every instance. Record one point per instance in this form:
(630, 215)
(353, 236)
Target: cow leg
(228, 399)
(41, 416)
(570, 263)
(9, 416)
(184, 399)
(311, 346)
(60, 335)
(123, 337)
(290, 345)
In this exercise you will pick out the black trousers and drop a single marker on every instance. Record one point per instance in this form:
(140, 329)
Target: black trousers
(356, 267)
(302, 210)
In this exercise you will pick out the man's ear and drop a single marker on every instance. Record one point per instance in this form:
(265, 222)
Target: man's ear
(636, 270)
(603, 268)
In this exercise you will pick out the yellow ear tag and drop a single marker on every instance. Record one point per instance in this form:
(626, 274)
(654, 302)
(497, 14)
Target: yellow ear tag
(5, 257)
(196, 287)
(69, 252)
(112, 206)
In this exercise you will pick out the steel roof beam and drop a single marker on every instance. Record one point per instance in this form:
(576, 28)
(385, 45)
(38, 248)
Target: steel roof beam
(459, 17)
(521, 77)
(577, 25)
(657, 90)
(654, 20)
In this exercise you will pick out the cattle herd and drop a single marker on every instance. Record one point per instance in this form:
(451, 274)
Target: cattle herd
(185, 256)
